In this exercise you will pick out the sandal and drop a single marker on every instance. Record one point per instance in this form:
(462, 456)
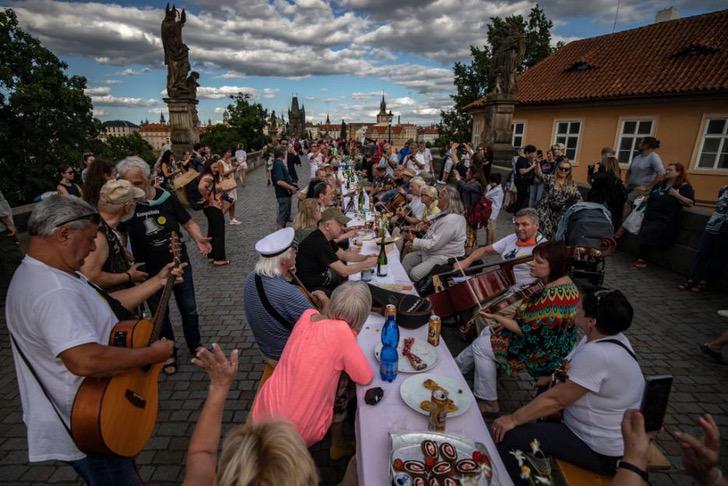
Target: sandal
(221, 263)
(701, 287)
(170, 366)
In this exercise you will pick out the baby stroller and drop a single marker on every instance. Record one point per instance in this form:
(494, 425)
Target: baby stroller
(587, 229)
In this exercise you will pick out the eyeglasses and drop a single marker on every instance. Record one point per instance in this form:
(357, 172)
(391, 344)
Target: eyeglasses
(565, 169)
(93, 217)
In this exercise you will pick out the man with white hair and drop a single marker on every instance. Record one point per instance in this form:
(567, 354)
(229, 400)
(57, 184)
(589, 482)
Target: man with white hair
(60, 326)
(273, 305)
(109, 265)
(155, 218)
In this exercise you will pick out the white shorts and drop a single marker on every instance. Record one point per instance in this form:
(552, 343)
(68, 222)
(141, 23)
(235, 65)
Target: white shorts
(243, 166)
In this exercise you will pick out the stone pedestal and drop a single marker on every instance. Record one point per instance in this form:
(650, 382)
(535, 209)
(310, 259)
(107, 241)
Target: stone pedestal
(183, 123)
(498, 131)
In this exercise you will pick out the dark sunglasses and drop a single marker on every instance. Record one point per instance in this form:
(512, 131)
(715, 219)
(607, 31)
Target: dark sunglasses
(565, 169)
(93, 217)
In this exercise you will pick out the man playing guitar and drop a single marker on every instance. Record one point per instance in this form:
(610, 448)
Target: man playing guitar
(62, 322)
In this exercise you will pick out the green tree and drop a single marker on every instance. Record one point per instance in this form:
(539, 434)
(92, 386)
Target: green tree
(472, 80)
(220, 138)
(248, 120)
(116, 148)
(45, 117)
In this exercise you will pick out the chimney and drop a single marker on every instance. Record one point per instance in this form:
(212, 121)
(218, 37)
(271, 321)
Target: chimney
(669, 13)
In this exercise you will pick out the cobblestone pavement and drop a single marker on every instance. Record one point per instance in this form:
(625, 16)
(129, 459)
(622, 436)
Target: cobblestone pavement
(668, 326)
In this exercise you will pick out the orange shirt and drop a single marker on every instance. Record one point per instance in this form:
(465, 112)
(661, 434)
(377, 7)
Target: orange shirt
(303, 384)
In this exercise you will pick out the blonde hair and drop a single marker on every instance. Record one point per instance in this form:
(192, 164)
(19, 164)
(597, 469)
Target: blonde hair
(430, 191)
(306, 215)
(265, 454)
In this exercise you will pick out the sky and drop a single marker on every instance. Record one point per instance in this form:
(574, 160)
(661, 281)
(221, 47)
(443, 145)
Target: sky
(338, 57)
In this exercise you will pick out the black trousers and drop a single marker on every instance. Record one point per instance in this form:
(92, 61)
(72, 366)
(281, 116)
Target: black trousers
(557, 440)
(216, 231)
(523, 192)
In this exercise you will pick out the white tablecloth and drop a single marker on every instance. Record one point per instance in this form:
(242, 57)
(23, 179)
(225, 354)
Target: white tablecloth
(391, 414)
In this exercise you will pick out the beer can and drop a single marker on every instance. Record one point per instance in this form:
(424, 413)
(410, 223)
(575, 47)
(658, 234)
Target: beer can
(434, 329)
(438, 409)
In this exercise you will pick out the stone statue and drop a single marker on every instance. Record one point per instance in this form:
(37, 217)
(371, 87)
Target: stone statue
(176, 52)
(190, 85)
(506, 60)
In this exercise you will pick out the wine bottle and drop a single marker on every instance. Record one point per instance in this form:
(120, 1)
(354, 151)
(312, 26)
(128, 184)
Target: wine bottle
(382, 264)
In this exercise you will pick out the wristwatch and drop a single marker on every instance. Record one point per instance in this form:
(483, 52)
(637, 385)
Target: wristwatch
(631, 467)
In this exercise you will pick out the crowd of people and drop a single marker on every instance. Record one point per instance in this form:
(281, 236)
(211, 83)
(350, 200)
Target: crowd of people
(99, 253)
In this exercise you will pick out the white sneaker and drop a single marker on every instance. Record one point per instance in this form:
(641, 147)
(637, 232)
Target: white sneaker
(235, 221)
(723, 313)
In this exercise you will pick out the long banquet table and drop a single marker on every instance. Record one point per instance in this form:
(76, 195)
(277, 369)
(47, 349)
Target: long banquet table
(391, 414)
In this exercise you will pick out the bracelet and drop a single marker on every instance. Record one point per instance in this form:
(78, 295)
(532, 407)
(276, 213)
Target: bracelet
(631, 467)
(129, 276)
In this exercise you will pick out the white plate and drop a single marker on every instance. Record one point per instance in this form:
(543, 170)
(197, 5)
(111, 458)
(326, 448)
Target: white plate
(426, 351)
(413, 392)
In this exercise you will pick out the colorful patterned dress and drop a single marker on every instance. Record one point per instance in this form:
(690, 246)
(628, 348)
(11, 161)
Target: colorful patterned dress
(554, 203)
(549, 334)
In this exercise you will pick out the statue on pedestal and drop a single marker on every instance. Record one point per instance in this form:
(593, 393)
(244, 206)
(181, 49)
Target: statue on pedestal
(506, 60)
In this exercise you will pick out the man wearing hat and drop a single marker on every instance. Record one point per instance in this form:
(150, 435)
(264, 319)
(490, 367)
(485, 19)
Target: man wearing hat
(272, 304)
(320, 262)
(109, 265)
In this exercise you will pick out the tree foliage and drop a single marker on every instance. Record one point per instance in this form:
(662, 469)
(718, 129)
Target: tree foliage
(45, 117)
(472, 80)
(245, 125)
(116, 148)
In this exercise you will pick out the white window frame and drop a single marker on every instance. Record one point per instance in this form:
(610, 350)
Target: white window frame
(522, 135)
(700, 141)
(580, 121)
(619, 135)
(476, 132)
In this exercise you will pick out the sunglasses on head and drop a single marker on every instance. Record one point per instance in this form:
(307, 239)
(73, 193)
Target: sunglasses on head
(93, 217)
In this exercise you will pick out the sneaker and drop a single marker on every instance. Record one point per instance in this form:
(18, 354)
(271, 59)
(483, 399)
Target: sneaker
(723, 313)
(235, 221)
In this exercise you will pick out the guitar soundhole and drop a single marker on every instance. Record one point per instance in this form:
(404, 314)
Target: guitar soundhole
(135, 399)
(119, 339)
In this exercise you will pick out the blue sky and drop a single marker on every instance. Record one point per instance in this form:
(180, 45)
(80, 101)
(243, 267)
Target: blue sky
(336, 56)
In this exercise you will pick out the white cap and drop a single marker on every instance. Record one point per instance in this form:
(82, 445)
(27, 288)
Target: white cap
(275, 243)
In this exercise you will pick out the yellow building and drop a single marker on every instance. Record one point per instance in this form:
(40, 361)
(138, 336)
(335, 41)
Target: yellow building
(668, 80)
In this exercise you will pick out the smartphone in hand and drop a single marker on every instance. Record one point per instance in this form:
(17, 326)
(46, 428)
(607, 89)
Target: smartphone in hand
(654, 401)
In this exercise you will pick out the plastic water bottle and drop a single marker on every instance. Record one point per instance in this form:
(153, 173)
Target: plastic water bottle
(388, 357)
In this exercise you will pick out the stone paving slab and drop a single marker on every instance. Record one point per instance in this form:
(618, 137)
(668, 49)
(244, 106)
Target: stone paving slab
(668, 326)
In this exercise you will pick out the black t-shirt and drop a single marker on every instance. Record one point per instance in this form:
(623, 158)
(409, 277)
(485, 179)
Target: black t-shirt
(151, 226)
(315, 254)
(523, 163)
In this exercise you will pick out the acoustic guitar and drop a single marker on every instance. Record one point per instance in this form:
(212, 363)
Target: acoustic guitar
(117, 415)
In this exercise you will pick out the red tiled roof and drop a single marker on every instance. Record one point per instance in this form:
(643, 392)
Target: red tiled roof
(385, 129)
(154, 127)
(683, 56)
(427, 130)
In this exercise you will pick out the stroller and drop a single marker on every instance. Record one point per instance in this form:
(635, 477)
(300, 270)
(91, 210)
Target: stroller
(587, 228)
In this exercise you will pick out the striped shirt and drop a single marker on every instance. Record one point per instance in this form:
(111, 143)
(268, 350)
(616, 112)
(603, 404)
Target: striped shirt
(286, 299)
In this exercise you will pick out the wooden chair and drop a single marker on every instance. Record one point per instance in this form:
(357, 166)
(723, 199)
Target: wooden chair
(577, 476)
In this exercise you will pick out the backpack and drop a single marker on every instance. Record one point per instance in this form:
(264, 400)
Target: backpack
(479, 214)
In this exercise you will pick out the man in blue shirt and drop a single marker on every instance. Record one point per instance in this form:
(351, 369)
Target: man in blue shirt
(272, 304)
(283, 185)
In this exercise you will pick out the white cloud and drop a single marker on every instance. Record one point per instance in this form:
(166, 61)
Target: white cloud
(219, 109)
(99, 112)
(157, 110)
(132, 72)
(97, 91)
(231, 75)
(110, 100)
(220, 92)
(270, 92)
(112, 81)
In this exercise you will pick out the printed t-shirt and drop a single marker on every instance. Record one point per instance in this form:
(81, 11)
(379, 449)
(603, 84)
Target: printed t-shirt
(151, 227)
(509, 250)
(314, 256)
(49, 311)
(615, 383)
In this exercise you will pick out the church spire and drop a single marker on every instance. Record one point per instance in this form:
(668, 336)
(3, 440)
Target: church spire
(383, 106)
(328, 122)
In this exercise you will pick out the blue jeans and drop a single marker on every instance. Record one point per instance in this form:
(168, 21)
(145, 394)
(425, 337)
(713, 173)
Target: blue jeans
(284, 210)
(536, 194)
(710, 260)
(184, 294)
(107, 470)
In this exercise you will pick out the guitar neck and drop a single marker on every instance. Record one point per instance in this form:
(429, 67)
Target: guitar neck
(161, 311)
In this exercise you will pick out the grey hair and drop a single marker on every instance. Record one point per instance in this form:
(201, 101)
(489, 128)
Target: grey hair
(529, 213)
(350, 302)
(271, 266)
(133, 162)
(419, 181)
(454, 203)
(55, 209)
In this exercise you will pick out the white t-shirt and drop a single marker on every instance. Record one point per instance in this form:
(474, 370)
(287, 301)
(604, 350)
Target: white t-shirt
(49, 311)
(422, 159)
(448, 168)
(615, 383)
(428, 159)
(508, 250)
(314, 162)
(495, 194)
(417, 207)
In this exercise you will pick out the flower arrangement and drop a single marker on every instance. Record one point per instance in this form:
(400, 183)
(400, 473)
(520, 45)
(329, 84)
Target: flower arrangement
(535, 467)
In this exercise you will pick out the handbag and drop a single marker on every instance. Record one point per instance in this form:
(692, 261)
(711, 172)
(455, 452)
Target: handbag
(228, 184)
(633, 223)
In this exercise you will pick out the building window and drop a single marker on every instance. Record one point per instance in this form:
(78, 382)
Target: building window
(519, 130)
(630, 137)
(567, 132)
(714, 148)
